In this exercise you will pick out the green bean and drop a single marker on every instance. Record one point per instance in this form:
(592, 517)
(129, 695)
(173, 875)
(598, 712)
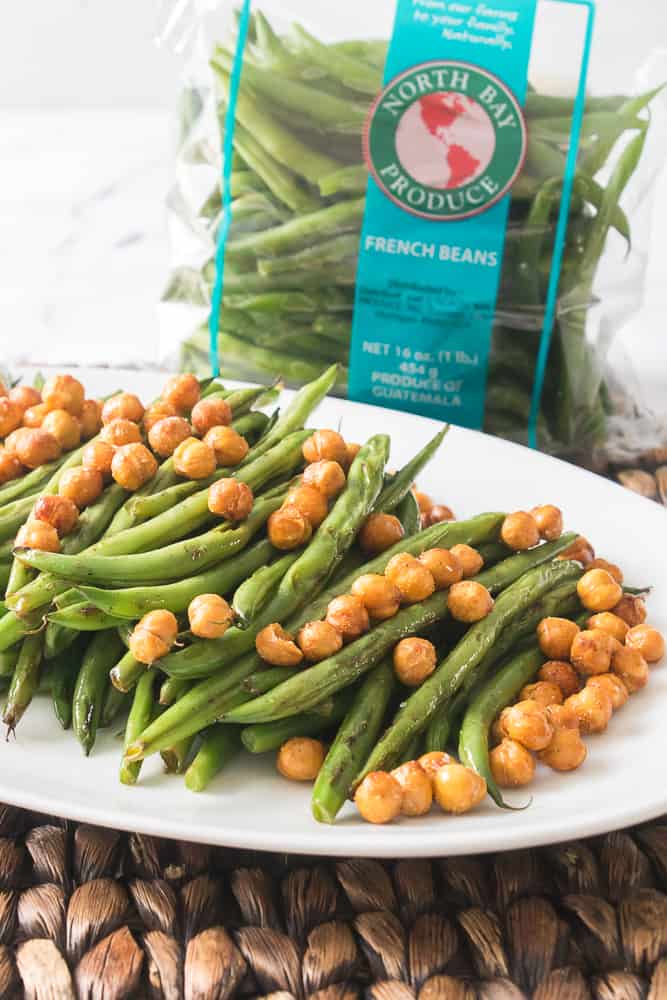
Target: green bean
(9, 659)
(346, 180)
(65, 669)
(127, 671)
(330, 250)
(171, 690)
(335, 62)
(30, 483)
(57, 640)
(137, 720)
(25, 680)
(271, 735)
(264, 680)
(255, 590)
(114, 703)
(91, 684)
(409, 515)
(440, 729)
(333, 220)
(401, 483)
(219, 745)
(82, 617)
(177, 757)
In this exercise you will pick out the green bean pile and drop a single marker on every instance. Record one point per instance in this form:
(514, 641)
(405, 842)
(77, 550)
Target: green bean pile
(70, 618)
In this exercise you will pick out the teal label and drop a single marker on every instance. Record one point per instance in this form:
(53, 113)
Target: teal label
(444, 142)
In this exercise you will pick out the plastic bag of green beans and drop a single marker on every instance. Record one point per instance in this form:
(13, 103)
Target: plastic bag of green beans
(448, 197)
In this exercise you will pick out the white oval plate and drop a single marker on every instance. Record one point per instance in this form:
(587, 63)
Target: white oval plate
(250, 806)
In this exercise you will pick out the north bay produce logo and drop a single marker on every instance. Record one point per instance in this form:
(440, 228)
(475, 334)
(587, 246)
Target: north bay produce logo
(445, 140)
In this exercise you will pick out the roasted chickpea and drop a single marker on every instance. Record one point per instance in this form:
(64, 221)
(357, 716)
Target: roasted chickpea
(81, 486)
(413, 579)
(25, 396)
(380, 596)
(352, 449)
(10, 467)
(34, 415)
(194, 459)
(610, 567)
(432, 761)
(209, 616)
(12, 440)
(379, 797)
(208, 413)
(133, 466)
(98, 456)
(318, 641)
(591, 651)
(230, 499)
(543, 692)
(631, 609)
(511, 764)
(59, 512)
(562, 716)
(158, 411)
(443, 565)
(288, 528)
(228, 445)
(598, 591)
(614, 687)
(438, 513)
(310, 502)
(153, 636)
(91, 419)
(580, 551)
(3, 389)
(348, 615)
(414, 660)
(325, 446)
(417, 788)
(379, 532)
(64, 427)
(592, 707)
(555, 636)
(123, 406)
(36, 447)
(562, 674)
(549, 521)
(35, 534)
(277, 646)
(424, 501)
(327, 477)
(165, 435)
(469, 559)
(120, 432)
(519, 531)
(469, 601)
(566, 752)
(182, 391)
(527, 723)
(300, 758)
(11, 416)
(648, 641)
(607, 622)
(629, 664)
(457, 789)
(63, 392)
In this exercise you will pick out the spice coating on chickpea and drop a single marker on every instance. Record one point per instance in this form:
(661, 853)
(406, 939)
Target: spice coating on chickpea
(614, 687)
(631, 609)
(380, 596)
(592, 650)
(580, 551)
(158, 411)
(348, 615)
(432, 761)
(34, 415)
(153, 636)
(438, 513)
(562, 716)
(310, 502)
(555, 636)
(182, 391)
(607, 622)
(598, 591)
(277, 646)
(629, 664)
(194, 459)
(59, 512)
(512, 766)
(379, 532)
(10, 467)
(63, 392)
(469, 559)
(416, 786)
(592, 707)
(300, 758)
(288, 528)
(36, 534)
(229, 447)
(610, 567)
(81, 486)
(98, 456)
(230, 499)
(543, 692)
(24, 396)
(469, 601)
(648, 641)
(527, 723)
(12, 440)
(318, 641)
(90, 419)
(133, 465)
(165, 435)
(208, 413)
(414, 660)
(549, 521)
(457, 789)
(566, 752)
(325, 446)
(209, 616)
(120, 431)
(64, 427)
(327, 477)
(443, 565)
(414, 581)
(562, 674)
(37, 447)
(519, 531)
(124, 405)
(379, 797)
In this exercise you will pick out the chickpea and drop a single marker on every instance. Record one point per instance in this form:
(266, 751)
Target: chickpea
(598, 591)
(380, 596)
(424, 501)
(64, 427)
(351, 451)
(496, 733)
(98, 456)
(379, 532)
(318, 641)
(11, 416)
(580, 551)
(555, 636)
(543, 692)
(229, 447)
(59, 512)
(230, 499)
(592, 707)
(3, 389)
(457, 789)
(288, 528)
(417, 788)
(443, 565)
(10, 467)
(614, 687)
(123, 406)
(379, 797)
(325, 446)
(566, 752)
(35, 534)
(519, 531)
(34, 415)
(300, 758)
(194, 459)
(549, 521)
(348, 615)
(120, 432)
(277, 646)
(527, 723)
(327, 477)
(469, 601)
(165, 435)
(592, 650)
(153, 636)
(158, 411)
(469, 559)
(648, 641)
(90, 419)
(562, 674)
(36, 447)
(182, 391)
(25, 396)
(629, 664)
(631, 609)
(12, 440)
(414, 660)
(209, 413)
(610, 567)
(310, 502)
(209, 616)
(63, 392)
(562, 716)
(414, 581)
(607, 622)
(438, 513)
(511, 764)
(81, 486)
(133, 465)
